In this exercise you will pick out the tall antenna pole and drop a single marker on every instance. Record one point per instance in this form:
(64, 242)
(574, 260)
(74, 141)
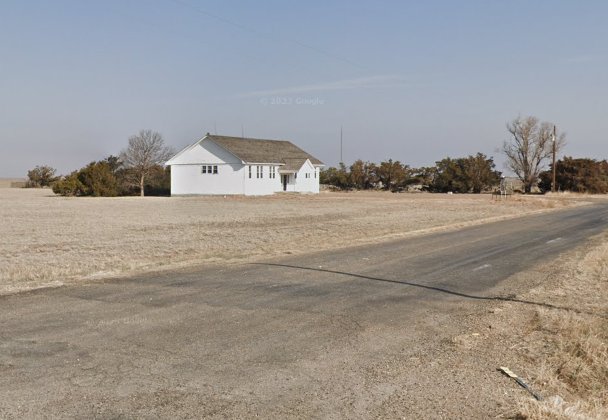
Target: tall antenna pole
(553, 183)
(215, 128)
(242, 131)
(341, 160)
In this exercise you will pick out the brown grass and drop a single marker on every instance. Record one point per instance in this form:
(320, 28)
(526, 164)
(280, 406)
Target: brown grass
(12, 182)
(49, 240)
(570, 350)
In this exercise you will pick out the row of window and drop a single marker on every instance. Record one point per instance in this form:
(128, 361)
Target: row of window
(306, 175)
(259, 171)
(209, 169)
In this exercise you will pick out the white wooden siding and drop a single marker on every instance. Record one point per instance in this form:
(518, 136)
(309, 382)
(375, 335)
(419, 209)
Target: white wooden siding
(188, 180)
(233, 174)
(306, 184)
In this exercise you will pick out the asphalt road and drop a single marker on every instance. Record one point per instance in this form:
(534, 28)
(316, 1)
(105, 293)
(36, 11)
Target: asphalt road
(309, 336)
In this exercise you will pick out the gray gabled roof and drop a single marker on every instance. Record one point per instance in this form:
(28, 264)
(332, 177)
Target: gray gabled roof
(292, 164)
(264, 151)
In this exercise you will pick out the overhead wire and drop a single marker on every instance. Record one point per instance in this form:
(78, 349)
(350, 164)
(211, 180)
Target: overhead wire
(267, 35)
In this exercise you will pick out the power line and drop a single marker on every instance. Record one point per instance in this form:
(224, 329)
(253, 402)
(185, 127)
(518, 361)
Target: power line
(244, 56)
(267, 35)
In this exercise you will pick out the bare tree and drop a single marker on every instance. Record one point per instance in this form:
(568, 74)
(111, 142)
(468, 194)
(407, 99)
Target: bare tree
(529, 147)
(145, 151)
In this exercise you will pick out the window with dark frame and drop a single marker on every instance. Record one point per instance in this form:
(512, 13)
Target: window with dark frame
(249, 171)
(209, 169)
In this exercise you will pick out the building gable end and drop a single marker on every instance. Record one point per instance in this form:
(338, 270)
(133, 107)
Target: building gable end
(204, 151)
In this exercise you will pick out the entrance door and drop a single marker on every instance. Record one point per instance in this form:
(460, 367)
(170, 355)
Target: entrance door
(285, 182)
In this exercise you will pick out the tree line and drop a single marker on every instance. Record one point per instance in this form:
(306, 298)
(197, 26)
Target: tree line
(471, 174)
(530, 145)
(111, 178)
(581, 175)
(137, 170)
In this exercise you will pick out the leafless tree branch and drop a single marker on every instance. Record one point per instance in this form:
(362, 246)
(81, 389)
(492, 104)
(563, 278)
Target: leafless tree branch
(145, 151)
(529, 147)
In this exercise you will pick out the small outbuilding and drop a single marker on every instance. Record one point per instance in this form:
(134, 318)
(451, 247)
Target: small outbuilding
(222, 165)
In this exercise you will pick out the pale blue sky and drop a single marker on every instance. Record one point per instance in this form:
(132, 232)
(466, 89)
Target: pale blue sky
(413, 81)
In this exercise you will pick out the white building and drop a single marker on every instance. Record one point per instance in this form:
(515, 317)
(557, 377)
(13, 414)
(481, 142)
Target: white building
(233, 165)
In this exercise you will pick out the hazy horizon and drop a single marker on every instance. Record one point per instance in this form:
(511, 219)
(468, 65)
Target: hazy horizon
(411, 81)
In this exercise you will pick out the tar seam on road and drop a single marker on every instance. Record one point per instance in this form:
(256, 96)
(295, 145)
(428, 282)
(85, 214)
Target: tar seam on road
(439, 289)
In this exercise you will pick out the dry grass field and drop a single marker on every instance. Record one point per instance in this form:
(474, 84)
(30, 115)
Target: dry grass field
(560, 351)
(49, 240)
(564, 353)
(568, 351)
(10, 182)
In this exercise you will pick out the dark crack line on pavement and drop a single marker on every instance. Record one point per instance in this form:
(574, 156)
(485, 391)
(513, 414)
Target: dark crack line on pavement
(439, 289)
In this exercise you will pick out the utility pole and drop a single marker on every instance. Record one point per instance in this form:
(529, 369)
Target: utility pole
(553, 183)
(341, 160)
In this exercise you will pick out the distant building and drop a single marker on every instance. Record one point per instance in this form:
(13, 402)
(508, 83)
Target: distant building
(221, 165)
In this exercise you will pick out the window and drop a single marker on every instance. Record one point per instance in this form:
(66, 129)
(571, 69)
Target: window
(249, 171)
(307, 175)
(260, 171)
(209, 169)
(315, 172)
(295, 176)
(273, 173)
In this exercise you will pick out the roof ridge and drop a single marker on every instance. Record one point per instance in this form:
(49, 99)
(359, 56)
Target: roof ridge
(261, 150)
(246, 138)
